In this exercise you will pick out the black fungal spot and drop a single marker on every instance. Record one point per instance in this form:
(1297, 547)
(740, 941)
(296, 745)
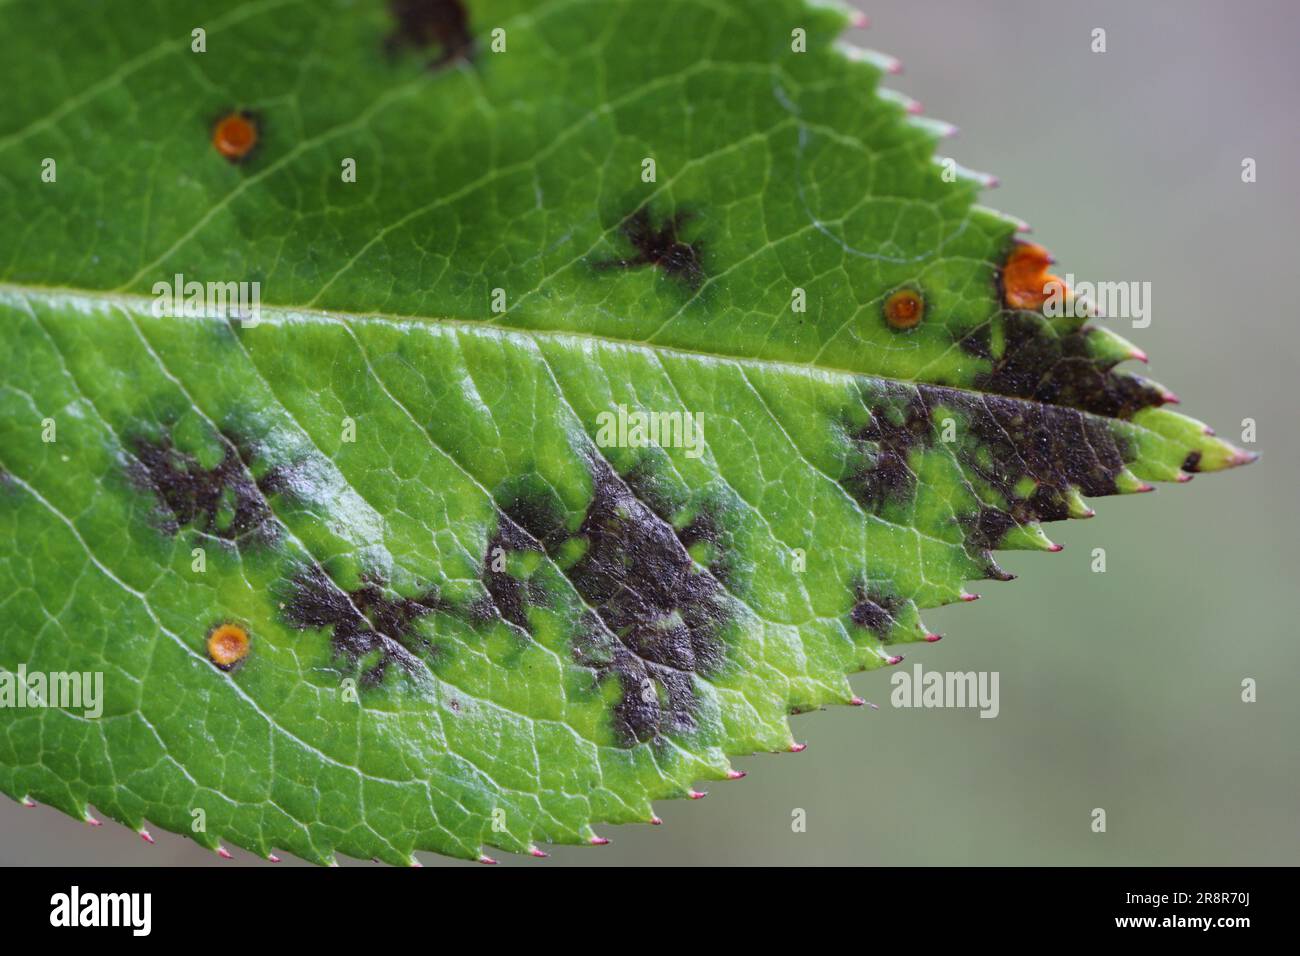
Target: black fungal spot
(1192, 463)
(1031, 455)
(704, 524)
(661, 247)
(1054, 448)
(875, 609)
(507, 596)
(894, 430)
(224, 501)
(366, 622)
(425, 23)
(655, 619)
(1040, 364)
(978, 342)
(986, 528)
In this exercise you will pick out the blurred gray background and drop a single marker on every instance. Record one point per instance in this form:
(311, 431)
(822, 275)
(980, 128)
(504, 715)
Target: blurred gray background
(1118, 690)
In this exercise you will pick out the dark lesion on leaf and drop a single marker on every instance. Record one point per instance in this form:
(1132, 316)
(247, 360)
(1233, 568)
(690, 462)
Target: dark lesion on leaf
(1010, 446)
(655, 618)
(986, 527)
(697, 519)
(1024, 460)
(875, 608)
(1044, 365)
(507, 597)
(977, 341)
(882, 473)
(421, 24)
(369, 624)
(225, 501)
(661, 246)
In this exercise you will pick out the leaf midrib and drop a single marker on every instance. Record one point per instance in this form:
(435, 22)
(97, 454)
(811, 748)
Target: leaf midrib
(289, 314)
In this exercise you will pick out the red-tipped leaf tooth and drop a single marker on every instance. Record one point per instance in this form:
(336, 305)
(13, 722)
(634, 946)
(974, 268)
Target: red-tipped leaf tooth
(931, 638)
(1168, 397)
(859, 20)
(538, 852)
(1075, 504)
(224, 853)
(146, 836)
(1054, 547)
(737, 774)
(1140, 355)
(656, 822)
(940, 129)
(967, 596)
(1022, 226)
(1241, 457)
(881, 61)
(895, 659)
(1183, 477)
(1207, 430)
(1128, 483)
(414, 864)
(797, 748)
(27, 802)
(697, 794)
(599, 840)
(486, 860)
(857, 701)
(989, 181)
(93, 822)
(272, 858)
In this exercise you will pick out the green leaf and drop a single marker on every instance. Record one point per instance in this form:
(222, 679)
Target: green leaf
(477, 613)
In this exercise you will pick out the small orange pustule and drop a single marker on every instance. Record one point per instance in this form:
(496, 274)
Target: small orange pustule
(1026, 283)
(234, 136)
(227, 645)
(904, 309)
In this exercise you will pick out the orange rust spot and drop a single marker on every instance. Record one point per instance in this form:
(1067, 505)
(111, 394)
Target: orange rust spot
(1026, 283)
(227, 645)
(904, 309)
(235, 135)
